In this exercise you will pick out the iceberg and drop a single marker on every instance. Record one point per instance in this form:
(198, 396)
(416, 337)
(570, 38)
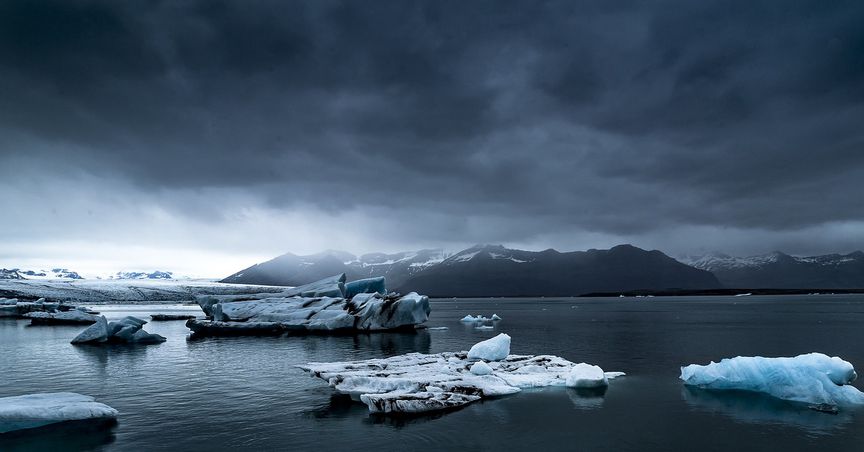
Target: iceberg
(36, 410)
(418, 383)
(494, 349)
(127, 330)
(273, 315)
(586, 376)
(813, 378)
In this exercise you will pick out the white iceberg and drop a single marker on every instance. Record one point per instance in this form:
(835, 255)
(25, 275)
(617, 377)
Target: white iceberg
(416, 382)
(586, 376)
(36, 410)
(813, 378)
(494, 349)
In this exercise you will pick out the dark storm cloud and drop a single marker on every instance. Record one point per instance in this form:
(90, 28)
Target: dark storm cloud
(531, 118)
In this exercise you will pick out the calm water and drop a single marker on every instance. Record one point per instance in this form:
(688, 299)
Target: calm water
(245, 393)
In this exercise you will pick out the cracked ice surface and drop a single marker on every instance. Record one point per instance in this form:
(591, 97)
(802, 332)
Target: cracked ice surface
(416, 383)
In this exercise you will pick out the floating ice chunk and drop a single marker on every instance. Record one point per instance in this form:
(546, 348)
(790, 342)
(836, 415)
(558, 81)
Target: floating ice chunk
(72, 317)
(126, 330)
(586, 376)
(333, 286)
(364, 312)
(494, 349)
(36, 410)
(481, 368)
(484, 327)
(416, 382)
(812, 378)
(97, 332)
(479, 318)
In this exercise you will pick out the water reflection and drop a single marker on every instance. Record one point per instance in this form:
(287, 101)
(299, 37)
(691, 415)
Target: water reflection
(587, 399)
(119, 355)
(756, 408)
(66, 436)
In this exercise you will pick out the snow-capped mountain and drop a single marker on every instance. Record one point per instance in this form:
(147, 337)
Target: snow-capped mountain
(291, 269)
(496, 271)
(782, 271)
(490, 270)
(143, 275)
(54, 273)
(10, 274)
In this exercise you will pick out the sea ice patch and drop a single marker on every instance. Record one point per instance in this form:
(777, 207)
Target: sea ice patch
(416, 383)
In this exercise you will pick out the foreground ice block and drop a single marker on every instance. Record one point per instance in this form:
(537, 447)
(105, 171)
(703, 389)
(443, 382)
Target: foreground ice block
(127, 330)
(416, 383)
(813, 378)
(36, 410)
(494, 349)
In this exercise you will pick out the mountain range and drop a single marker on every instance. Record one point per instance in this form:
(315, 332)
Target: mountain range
(490, 271)
(782, 271)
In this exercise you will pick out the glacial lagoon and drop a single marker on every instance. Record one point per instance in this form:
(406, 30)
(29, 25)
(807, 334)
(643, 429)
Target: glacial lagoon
(246, 392)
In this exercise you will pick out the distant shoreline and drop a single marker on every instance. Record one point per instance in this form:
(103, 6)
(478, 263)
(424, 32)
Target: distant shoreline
(679, 293)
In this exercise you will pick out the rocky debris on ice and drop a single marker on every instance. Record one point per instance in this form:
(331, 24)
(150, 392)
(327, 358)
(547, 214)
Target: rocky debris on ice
(169, 317)
(417, 383)
(127, 330)
(36, 410)
(814, 378)
(72, 317)
(318, 307)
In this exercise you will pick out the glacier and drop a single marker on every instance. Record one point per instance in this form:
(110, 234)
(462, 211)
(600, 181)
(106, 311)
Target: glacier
(812, 378)
(322, 306)
(36, 410)
(418, 383)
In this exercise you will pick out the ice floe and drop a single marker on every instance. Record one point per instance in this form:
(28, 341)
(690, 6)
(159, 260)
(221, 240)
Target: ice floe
(72, 317)
(127, 330)
(813, 378)
(494, 349)
(37, 410)
(417, 383)
(318, 307)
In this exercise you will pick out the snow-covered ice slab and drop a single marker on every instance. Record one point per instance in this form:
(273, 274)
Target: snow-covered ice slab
(333, 286)
(813, 378)
(418, 383)
(36, 410)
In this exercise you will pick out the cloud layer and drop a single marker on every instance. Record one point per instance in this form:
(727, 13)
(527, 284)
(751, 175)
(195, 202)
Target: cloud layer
(252, 128)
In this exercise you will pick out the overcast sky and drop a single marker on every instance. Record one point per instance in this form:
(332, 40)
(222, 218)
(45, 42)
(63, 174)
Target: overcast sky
(202, 137)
